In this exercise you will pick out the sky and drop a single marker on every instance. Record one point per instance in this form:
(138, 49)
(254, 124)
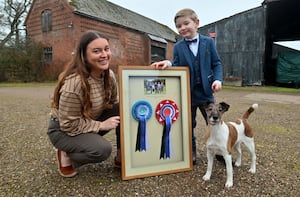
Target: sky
(208, 11)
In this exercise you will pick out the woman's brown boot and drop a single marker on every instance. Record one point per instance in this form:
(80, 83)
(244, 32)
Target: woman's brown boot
(118, 159)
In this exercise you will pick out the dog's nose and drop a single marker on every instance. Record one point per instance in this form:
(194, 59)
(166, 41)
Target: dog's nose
(215, 118)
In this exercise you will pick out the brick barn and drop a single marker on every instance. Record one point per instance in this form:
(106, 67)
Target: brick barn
(134, 39)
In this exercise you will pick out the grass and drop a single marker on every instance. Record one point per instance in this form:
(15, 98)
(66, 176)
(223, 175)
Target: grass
(264, 89)
(31, 84)
(277, 129)
(245, 88)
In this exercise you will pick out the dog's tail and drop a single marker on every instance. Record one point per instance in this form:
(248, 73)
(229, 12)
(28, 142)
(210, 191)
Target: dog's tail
(250, 110)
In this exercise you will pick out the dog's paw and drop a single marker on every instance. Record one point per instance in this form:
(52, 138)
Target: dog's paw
(206, 177)
(252, 170)
(237, 163)
(229, 184)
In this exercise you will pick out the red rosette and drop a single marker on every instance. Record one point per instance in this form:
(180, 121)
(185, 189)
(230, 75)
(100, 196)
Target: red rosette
(166, 108)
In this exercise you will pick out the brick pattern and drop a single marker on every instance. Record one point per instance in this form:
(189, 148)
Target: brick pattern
(129, 47)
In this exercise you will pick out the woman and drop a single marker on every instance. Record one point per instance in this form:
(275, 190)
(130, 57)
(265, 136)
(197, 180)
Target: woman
(85, 107)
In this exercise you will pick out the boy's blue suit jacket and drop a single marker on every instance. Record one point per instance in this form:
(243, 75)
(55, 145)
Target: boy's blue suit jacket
(210, 63)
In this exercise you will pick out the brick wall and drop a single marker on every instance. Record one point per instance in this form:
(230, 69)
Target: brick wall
(128, 47)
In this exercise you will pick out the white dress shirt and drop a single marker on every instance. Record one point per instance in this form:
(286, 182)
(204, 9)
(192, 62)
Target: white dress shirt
(194, 45)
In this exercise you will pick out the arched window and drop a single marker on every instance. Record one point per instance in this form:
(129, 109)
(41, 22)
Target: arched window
(46, 20)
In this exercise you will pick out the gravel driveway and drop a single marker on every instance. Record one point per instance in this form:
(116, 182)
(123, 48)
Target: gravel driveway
(28, 164)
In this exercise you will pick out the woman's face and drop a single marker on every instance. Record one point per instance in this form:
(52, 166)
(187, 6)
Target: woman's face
(98, 56)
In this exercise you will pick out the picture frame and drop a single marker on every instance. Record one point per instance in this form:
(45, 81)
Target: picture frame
(156, 130)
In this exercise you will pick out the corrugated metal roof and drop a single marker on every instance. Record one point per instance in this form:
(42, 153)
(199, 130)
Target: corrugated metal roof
(110, 12)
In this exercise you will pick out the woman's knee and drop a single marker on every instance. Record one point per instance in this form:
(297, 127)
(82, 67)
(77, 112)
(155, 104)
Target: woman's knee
(102, 152)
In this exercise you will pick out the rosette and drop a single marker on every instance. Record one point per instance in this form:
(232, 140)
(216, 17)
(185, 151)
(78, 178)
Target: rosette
(141, 112)
(166, 113)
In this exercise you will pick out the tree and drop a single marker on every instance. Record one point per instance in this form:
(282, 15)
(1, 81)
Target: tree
(20, 57)
(11, 20)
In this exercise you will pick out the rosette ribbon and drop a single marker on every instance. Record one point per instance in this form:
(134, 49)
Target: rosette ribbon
(166, 113)
(141, 112)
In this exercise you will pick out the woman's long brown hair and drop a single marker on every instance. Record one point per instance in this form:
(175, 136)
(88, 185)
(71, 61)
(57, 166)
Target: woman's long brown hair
(79, 66)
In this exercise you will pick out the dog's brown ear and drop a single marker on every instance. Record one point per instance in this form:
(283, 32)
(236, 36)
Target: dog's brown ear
(224, 106)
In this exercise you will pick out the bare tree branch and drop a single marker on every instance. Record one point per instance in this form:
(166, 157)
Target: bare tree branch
(14, 12)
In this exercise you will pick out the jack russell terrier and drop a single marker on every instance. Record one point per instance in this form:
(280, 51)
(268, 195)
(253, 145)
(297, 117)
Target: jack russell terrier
(222, 137)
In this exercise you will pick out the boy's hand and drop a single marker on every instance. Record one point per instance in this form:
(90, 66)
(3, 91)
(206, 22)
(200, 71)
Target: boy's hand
(216, 86)
(162, 64)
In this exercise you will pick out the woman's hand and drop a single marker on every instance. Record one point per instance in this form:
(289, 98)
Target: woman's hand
(110, 123)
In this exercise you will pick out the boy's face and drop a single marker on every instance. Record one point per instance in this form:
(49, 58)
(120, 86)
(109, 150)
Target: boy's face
(186, 27)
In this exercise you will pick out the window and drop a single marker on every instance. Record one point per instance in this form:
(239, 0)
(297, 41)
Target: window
(46, 20)
(48, 55)
(158, 48)
(157, 54)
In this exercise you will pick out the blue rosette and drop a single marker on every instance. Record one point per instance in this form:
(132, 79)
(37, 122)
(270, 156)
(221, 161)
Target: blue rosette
(141, 112)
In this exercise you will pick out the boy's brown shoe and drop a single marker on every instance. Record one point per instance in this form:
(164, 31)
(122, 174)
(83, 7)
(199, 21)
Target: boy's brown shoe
(67, 171)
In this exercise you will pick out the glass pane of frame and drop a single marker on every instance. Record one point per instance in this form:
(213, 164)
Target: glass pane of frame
(155, 121)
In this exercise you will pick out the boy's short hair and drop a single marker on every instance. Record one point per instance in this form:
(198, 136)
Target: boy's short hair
(187, 12)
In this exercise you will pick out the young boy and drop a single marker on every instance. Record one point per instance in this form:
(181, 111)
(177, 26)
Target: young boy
(199, 53)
